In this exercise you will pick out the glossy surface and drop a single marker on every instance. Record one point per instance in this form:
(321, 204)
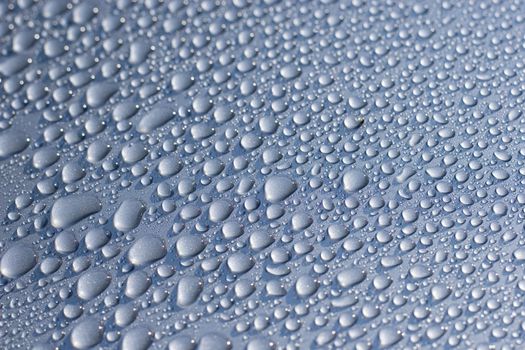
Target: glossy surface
(261, 174)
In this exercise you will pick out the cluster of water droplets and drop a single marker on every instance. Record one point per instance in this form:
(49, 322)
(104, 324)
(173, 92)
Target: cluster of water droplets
(273, 174)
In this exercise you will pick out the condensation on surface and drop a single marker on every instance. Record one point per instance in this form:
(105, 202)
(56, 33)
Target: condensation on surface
(271, 174)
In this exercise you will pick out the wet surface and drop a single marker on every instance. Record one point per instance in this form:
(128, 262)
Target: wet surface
(262, 174)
